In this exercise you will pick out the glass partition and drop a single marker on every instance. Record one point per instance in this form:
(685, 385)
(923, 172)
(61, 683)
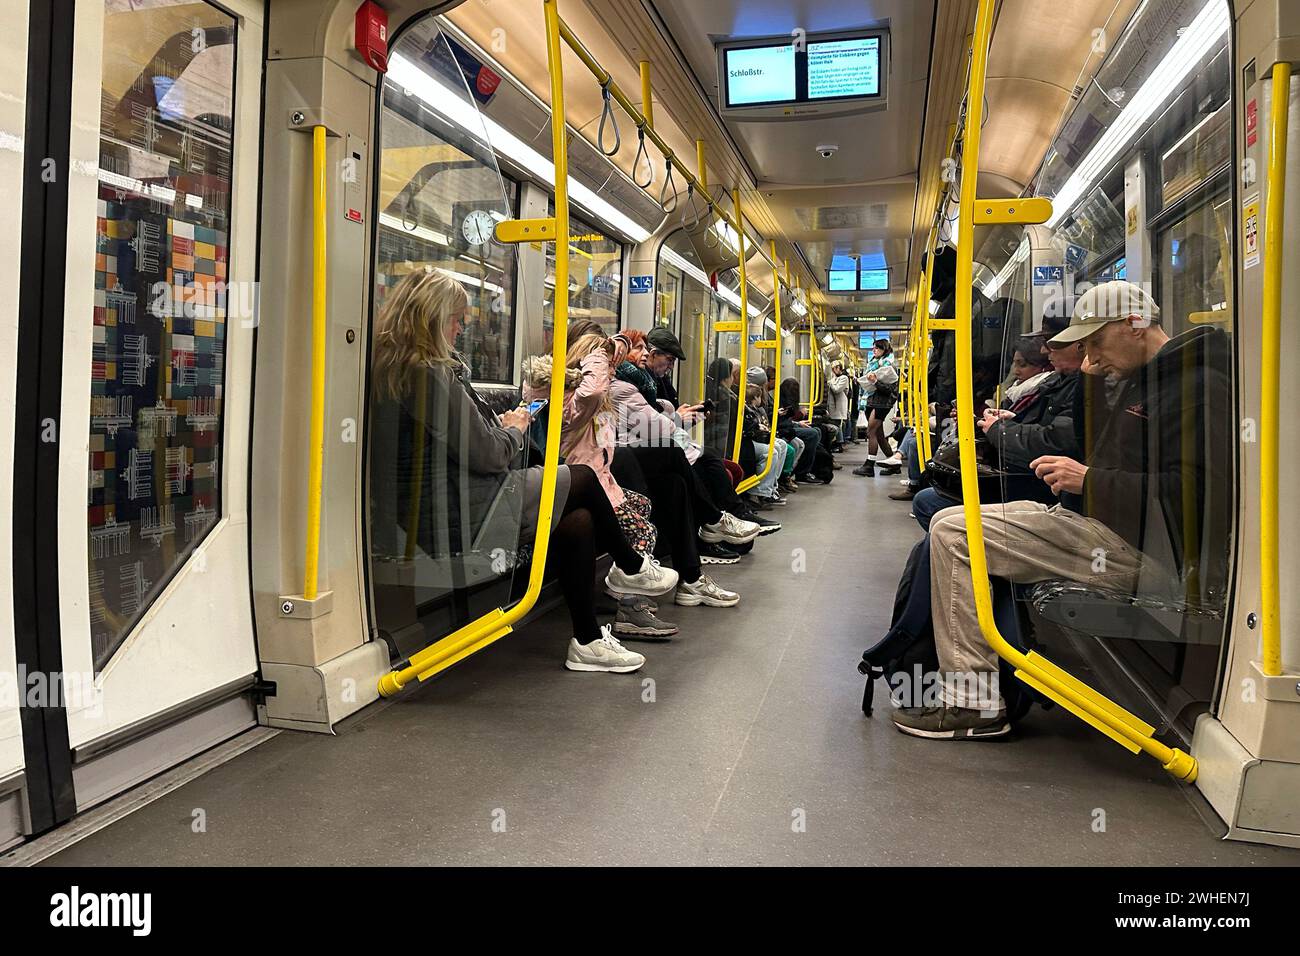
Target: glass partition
(595, 277)
(449, 496)
(1144, 406)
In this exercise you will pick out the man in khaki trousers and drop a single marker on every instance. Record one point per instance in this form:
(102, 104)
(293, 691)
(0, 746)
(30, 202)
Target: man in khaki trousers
(1134, 481)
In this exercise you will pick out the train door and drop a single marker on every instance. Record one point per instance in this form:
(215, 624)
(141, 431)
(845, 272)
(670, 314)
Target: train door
(144, 601)
(13, 108)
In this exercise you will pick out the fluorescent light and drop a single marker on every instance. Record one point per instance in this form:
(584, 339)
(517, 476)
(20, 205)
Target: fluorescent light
(1197, 40)
(471, 280)
(1193, 131)
(728, 235)
(420, 232)
(448, 102)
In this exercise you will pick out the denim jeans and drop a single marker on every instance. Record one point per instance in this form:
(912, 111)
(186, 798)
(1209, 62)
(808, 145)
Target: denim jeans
(911, 453)
(812, 439)
(767, 487)
(928, 503)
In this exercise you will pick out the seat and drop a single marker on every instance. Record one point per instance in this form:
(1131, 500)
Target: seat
(1122, 614)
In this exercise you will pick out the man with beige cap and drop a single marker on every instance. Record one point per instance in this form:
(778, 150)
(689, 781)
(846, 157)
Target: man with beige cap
(1153, 492)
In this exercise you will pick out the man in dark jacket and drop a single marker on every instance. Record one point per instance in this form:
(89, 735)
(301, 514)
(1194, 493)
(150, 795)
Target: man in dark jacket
(1154, 482)
(1043, 423)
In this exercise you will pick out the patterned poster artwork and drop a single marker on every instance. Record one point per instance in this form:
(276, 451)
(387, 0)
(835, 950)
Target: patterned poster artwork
(160, 308)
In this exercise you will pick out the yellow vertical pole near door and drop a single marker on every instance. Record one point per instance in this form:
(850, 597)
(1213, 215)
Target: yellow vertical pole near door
(744, 324)
(753, 480)
(1270, 374)
(316, 425)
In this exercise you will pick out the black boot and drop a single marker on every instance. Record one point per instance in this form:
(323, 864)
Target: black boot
(867, 469)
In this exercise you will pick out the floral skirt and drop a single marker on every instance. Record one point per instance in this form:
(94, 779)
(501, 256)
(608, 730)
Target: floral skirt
(634, 519)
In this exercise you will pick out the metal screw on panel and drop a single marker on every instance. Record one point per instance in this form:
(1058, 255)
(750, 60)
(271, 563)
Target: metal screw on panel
(1251, 620)
(351, 336)
(298, 118)
(287, 607)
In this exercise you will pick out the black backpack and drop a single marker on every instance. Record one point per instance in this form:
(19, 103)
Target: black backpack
(906, 652)
(823, 465)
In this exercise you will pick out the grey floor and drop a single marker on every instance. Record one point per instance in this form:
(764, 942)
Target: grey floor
(748, 747)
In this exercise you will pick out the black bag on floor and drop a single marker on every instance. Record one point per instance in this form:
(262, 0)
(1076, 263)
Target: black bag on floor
(906, 653)
(823, 465)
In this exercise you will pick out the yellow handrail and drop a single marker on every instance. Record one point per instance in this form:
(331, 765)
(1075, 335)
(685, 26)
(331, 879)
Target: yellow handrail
(744, 324)
(1035, 670)
(496, 624)
(753, 480)
(644, 122)
(1270, 374)
(316, 426)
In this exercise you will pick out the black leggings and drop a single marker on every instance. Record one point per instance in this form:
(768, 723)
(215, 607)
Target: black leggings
(712, 474)
(587, 528)
(663, 461)
(876, 437)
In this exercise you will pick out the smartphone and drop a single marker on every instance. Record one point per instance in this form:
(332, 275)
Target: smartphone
(537, 407)
(708, 405)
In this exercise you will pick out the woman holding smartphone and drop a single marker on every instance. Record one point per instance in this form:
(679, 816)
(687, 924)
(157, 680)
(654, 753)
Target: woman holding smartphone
(439, 431)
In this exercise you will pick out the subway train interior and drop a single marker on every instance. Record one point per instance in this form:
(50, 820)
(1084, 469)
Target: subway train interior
(912, 494)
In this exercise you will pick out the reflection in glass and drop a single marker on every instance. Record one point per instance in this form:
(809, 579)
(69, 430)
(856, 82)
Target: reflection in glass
(595, 277)
(445, 484)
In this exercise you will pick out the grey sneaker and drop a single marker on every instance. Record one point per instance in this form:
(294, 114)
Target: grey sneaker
(636, 618)
(730, 530)
(603, 654)
(951, 723)
(653, 579)
(705, 591)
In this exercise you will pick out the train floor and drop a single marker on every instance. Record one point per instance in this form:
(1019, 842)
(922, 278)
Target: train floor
(748, 747)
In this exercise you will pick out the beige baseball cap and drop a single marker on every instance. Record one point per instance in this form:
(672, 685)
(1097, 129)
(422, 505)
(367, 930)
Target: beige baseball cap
(1108, 302)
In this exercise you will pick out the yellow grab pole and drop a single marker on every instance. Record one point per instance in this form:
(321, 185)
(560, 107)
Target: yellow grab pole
(753, 480)
(1270, 374)
(1036, 671)
(496, 624)
(316, 426)
(744, 324)
(701, 171)
(647, 108)
(923, 448)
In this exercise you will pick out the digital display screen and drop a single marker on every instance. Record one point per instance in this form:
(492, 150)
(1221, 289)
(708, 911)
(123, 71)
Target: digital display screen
(844, 68)
(866, 340)
(874, 280)
(851, 280)
(774, 72)
(843, 281)
(764, 74)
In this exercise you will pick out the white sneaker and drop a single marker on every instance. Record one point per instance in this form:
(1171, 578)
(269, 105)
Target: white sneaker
(651, 580)
(706, 591)
(894, 459)
(731, 530)
(603, 654)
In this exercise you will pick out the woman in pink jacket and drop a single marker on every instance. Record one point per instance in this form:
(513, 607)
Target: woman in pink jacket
(587, 437)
